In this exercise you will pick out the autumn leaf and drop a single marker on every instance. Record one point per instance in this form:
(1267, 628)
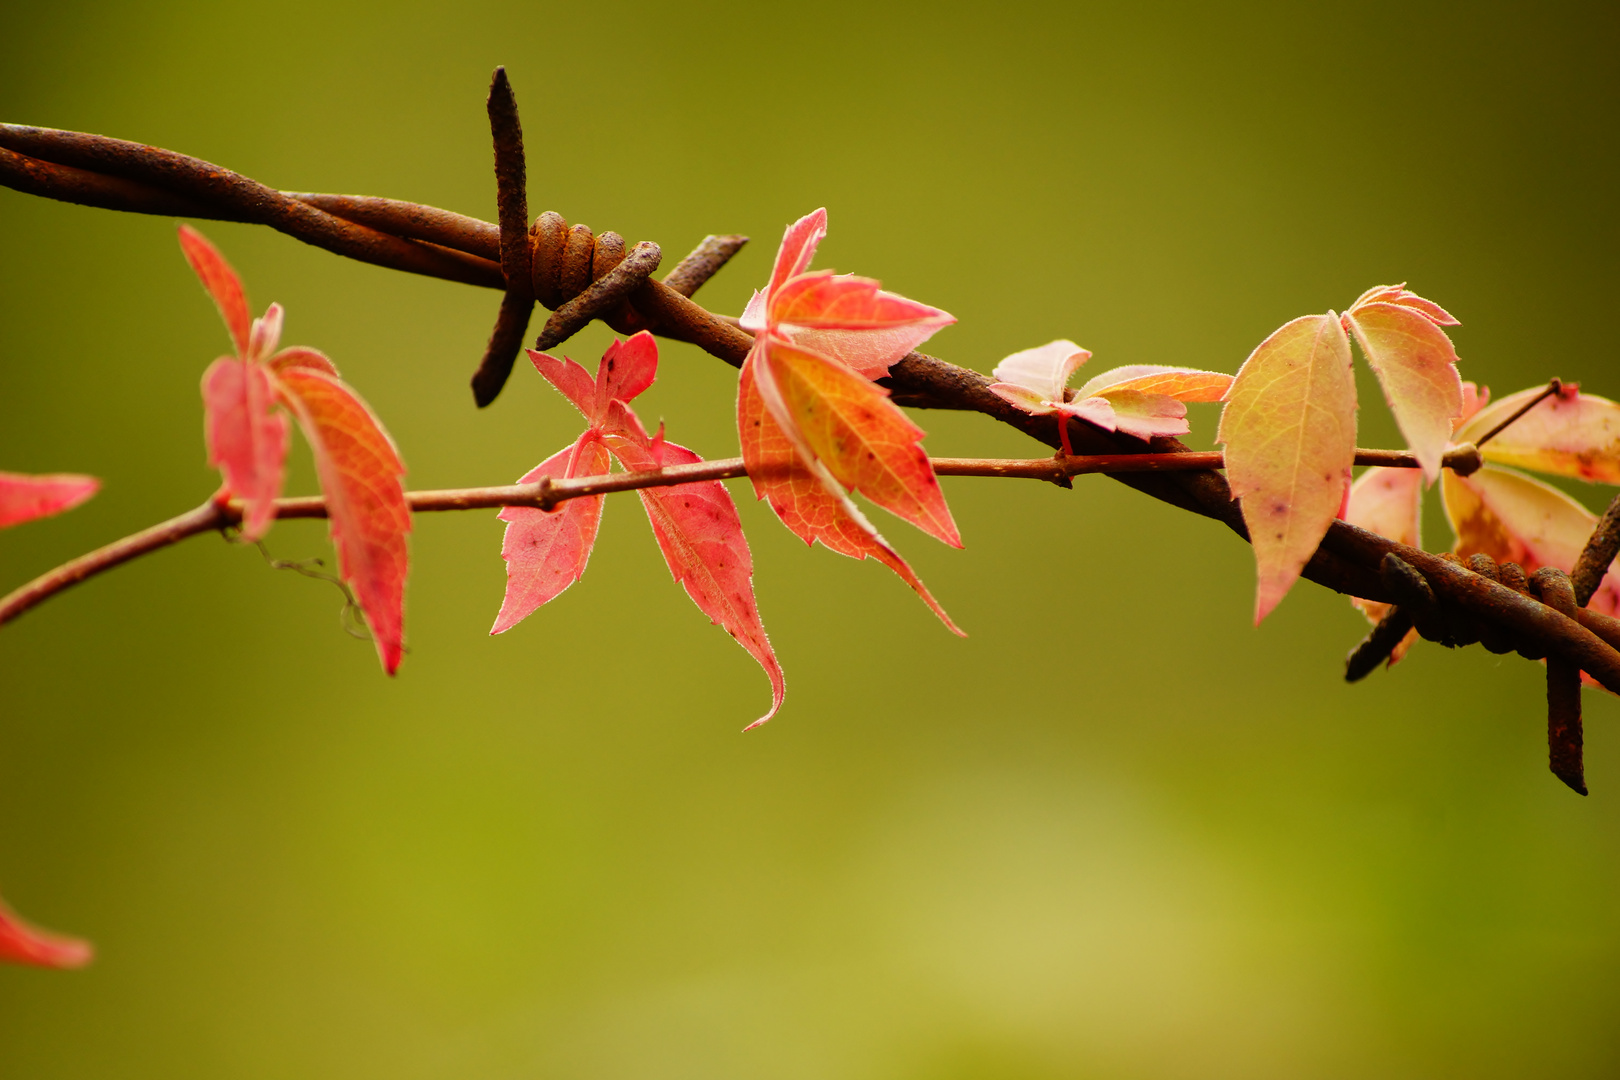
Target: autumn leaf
(1144, 400)
(1389, 502)
(804, 503)
(1400, 335)
(24, 497)
(24, 944)
(700, 534)
(360, 474)
(848, 424)
(1516, 518)
(1568, 434)
(247, 433)
(246, 441)
(546, 551)
(1289, 428)
(696, 525)
(807, 414)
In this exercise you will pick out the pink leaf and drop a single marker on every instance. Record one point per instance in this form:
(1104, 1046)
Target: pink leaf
(701, 536)
(1044, 370)
(1399, 294)
(1289, 427)
(799, 244)
(24, 944)
(852, 320)
(803, 502)
(1417, 366)
(546, 551)
(1388, 502)
(360, 475)
(24, 498)
(575, 383)
(246, 438)
(1144, 415)
(1570, 434)
(222, 284)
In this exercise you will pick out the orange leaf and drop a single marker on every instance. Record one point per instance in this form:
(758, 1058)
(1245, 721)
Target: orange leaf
(1289, 428)
(360, 473)
(24, 944)
(1183, 384)
(802, 501)
(24, 498)
(849, 424)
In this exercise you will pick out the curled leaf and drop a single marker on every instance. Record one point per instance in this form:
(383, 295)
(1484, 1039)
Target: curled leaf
(360, 474)
(24, 944)
(1289, 428)
(24, 498)
(852, 320)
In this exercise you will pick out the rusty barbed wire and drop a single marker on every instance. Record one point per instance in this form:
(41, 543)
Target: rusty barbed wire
(565, 263)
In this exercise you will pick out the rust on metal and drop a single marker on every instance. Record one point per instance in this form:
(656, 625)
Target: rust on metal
(1564, 736)
(703, 263)
(601, 295)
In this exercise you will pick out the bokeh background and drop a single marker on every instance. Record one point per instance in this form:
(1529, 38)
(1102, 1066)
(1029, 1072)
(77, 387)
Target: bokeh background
(1117, 832)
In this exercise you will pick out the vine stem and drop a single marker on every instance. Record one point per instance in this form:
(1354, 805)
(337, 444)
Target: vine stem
(547, 494)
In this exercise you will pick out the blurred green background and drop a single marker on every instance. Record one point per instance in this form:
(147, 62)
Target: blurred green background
(1116, 832)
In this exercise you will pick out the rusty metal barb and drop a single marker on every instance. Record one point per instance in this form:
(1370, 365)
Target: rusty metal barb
(703, 263)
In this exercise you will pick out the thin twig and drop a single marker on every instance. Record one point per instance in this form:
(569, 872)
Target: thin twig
(1554, 386)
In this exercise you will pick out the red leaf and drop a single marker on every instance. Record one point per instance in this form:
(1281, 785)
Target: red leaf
(360, 473)
(546, 551)
(24, 944)
(803, 502)
(222, 284)
(246, 440)
(701, 536)
(24, 498)
(1290, 432)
